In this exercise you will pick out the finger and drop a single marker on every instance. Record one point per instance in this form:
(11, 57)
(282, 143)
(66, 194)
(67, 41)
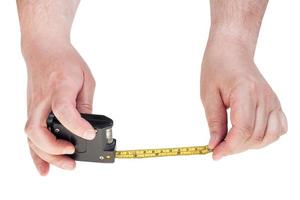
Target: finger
(261, 121)
(85, 97)
(284, 123)
(60, 161)
(216, 118)
(243, 111)
(38, 133)
(47, 141)
(64, 108)
(41, 165)
(273, 130)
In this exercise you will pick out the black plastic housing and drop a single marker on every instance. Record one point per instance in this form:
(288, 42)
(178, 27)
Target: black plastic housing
(100, 149)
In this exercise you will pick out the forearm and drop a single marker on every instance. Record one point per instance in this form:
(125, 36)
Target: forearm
(45, 23)
(232, 84)
(237, 21)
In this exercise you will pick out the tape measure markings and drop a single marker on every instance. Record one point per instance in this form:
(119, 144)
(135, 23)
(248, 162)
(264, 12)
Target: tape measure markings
(151, 153)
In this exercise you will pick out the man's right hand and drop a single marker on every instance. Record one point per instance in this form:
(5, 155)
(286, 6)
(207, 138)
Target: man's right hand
(60, 81)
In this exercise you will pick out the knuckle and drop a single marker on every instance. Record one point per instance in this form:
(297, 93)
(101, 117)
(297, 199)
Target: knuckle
(248, 84)
(245, 131)
(215, 123)
(52, 149)
(60, 107)
(274, 137)
(56, 77)
(93, 82)
(268, 92)
(29, 128)
(57, 147)
(252, 86)
(276, 103)
(284, 130)
(52, 159)
(272, 101)
(86, 107)
(257, 139)
(55, 160)
(48, 147)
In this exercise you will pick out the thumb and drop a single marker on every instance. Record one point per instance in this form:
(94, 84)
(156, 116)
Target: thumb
(65, 109)
(84, 102)
(216, 116)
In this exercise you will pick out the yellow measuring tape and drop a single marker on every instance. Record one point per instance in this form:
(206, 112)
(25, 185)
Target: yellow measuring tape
(150, 153)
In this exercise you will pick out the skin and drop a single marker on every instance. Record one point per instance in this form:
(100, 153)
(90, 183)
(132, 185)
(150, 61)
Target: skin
(60, 80)
(230, 79)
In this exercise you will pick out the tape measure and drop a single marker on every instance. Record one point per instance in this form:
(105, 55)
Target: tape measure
(103, 147)
(150, 153)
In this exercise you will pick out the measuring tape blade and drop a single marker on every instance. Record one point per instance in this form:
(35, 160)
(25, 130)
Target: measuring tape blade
(151, 153)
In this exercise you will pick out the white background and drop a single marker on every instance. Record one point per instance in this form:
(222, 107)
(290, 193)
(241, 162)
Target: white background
(146, 56)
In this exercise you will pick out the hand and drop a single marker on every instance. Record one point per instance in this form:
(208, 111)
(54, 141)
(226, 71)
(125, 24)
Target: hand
(230, 79)
(60, 81)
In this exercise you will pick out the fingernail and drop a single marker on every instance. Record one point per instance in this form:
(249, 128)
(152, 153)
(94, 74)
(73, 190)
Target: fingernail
(284, 123)
(211, 142)
(69, 150)
(67, 166)
(217, 157)
(90, 134)
(42, 170)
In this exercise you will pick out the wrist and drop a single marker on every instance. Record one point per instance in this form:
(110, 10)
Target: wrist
(39, 46)
(228, 38)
